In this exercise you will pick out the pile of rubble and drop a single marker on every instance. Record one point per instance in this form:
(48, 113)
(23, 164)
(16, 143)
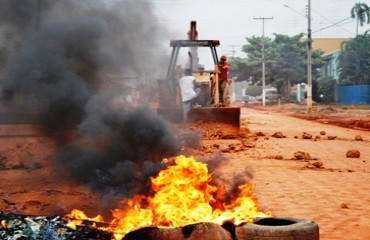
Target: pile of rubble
(212, 130)
(22, 227)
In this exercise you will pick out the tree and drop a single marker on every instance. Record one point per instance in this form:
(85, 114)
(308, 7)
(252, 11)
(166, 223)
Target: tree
(285, 59)
(361, 11)
(251, 67)
(354, 61)
(289, 64)
(324, 90)
(239, 68)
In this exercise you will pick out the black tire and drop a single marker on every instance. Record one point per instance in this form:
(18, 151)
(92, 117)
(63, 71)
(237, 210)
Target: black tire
(278, 229)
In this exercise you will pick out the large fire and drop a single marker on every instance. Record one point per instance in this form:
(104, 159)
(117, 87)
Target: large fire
(183, 194)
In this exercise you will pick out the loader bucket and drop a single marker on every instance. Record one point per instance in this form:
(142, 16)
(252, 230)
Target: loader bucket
(229, 115)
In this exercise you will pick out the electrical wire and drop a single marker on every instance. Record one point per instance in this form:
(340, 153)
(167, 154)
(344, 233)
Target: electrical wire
(335, 24)
(331, 22)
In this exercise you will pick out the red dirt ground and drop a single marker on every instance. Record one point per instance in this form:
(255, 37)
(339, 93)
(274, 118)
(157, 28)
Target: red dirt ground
(295, 175)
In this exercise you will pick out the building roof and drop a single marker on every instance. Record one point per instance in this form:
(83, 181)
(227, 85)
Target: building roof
(328, 45)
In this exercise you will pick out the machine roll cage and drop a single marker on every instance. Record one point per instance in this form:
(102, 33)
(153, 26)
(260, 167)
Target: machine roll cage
(177, 45)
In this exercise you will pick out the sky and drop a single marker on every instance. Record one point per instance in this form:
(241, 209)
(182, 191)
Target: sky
(231, 21)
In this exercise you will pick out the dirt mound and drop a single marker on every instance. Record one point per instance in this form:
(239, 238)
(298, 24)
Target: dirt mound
(213, 130)
(345, 119)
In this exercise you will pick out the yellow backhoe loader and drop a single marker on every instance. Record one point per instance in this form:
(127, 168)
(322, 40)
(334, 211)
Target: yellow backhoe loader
(209, 108)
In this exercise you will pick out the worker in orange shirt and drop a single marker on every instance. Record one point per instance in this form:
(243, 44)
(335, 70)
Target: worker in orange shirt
(223, 69)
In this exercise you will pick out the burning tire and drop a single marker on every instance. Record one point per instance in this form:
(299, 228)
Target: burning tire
(197, 231)
(278, 229)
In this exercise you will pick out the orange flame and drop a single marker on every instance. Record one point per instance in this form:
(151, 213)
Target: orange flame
(4, 224)
(183, 195)
(77, 217)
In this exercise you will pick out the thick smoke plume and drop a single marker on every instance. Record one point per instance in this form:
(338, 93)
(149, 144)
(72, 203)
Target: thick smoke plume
(73, 65)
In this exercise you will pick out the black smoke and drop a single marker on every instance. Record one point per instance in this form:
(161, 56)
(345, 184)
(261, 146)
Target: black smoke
(54, 74)
(71, 64)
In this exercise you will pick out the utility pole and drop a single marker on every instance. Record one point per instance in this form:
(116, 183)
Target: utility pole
(263, 57)
(309, 60)
(233, 51)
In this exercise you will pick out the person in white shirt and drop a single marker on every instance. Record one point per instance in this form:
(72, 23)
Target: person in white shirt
(188, 90)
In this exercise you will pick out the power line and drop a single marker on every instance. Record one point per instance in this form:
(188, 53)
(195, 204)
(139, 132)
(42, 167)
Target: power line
(331, 21)
(335, 24)
(332, 25)
(295, 10)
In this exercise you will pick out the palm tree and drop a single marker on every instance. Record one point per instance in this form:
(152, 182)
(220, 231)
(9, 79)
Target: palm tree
(361, 11)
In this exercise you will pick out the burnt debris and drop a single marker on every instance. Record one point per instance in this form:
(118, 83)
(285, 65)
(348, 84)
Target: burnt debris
(18, 227)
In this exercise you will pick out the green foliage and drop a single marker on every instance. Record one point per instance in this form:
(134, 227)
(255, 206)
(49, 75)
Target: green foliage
(318, 61)
(354, 61)
(251, 67)
(285, 61)
(240, 68)
(290, 55)
(361, 11)
(325, 90)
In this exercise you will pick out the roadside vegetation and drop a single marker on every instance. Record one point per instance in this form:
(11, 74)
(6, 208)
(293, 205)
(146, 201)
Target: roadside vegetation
(285, 59)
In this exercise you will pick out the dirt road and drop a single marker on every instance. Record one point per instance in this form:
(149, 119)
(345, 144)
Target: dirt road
(330, 188)
(336, 195)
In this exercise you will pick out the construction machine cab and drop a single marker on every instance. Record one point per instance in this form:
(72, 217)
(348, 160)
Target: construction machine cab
(169, 95)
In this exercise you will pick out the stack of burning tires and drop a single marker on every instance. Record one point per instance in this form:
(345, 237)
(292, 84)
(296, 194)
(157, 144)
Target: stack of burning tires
(270, 228)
